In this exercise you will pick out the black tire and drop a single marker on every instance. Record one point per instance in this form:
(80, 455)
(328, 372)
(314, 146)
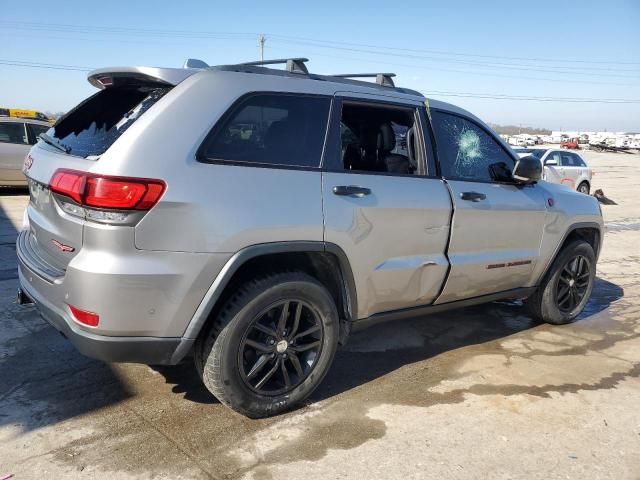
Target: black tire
(584, 188)
(549, 303)
(226, 350)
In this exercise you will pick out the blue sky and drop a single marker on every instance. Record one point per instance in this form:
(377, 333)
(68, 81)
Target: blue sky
(558, 49)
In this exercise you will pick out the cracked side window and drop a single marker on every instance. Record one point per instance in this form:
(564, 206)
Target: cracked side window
(466, 151)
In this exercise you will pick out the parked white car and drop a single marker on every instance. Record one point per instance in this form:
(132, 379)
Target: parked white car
(561, 166)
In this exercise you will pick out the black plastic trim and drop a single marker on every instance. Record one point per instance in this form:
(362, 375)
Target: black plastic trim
(231, 267)
(429, 142)
(571, 229)
(412, 312)
(147, 350)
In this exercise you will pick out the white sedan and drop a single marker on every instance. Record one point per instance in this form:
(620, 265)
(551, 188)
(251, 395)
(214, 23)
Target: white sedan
(561, 166)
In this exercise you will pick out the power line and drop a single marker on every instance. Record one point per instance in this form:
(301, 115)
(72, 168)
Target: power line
(484, 66)
(50, 66)
(71, 28)
(93, 29)
(442, 52)
(493, 96)
(561, 70)
(494, 65)
(498, 96)
(471, 72)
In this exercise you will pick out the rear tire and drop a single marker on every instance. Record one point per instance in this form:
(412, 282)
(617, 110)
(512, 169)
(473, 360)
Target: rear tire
(566, 288)
(271, 345)
(584, 188)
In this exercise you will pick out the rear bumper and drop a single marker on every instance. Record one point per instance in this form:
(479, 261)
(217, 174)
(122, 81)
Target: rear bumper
(145, 299)
(149, 350)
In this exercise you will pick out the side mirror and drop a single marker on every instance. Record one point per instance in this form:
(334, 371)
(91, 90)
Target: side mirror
(552, 162)
(527, 170)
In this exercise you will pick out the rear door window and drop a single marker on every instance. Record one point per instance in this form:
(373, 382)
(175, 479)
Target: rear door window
(13, 132)
(93, 126)
(378, 138)
(577, 161)
(568, 160)
(271, 129)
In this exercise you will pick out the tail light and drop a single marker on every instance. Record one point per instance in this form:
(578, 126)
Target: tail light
(107, 192)
(84, 317)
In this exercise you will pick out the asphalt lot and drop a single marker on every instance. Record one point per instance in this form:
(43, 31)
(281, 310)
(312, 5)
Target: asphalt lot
(478, 393)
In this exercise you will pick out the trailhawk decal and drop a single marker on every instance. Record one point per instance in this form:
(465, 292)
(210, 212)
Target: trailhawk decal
(510, 264)
(62, 246)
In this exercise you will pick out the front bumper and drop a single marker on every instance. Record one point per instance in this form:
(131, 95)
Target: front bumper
(148, 350)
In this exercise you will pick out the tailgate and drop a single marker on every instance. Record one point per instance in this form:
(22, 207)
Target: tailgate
(76, 142)
(54, 237)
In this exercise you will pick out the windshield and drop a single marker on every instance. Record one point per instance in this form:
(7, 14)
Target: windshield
(93, 126)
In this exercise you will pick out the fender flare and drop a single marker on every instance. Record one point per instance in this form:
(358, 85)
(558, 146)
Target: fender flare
(221, 281)
(572, 228)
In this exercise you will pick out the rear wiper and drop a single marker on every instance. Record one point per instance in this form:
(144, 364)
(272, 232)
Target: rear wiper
(50, 141)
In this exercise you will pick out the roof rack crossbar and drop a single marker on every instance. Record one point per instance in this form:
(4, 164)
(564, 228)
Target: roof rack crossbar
(294, 65)
(385, 79)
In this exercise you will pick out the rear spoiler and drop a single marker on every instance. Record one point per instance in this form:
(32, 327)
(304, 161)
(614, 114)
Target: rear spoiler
(118, 76)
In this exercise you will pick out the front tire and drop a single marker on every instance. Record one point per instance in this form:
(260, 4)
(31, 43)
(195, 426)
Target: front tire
(271, 345)
(584, 188)
(566, 288)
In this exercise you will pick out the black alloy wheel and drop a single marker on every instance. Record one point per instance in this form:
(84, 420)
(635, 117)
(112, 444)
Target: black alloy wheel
(280, 347)
(573, 282)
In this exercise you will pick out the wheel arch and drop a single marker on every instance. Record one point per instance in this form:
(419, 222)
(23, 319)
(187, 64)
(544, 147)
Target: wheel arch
(324, 261)
(587, 231)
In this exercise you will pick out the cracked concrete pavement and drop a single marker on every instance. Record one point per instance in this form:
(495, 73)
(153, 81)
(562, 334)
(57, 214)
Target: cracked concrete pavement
(482, 392)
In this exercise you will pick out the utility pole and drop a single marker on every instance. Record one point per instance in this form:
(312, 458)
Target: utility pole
(262, 39)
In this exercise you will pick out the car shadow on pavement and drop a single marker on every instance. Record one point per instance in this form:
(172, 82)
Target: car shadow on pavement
(186, 381)
(43, 378)
(375, 352)
(380, 350)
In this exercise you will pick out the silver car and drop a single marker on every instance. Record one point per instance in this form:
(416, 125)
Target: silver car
(17, 135)
(255, 217)
(562, 166)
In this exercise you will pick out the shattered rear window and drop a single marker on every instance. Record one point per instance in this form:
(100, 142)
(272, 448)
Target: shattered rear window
(93, 126)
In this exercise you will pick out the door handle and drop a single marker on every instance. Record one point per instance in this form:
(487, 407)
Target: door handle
(351, 190)
(472, 196)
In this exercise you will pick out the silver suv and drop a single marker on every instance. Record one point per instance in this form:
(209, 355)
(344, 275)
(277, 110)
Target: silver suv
(254, 217)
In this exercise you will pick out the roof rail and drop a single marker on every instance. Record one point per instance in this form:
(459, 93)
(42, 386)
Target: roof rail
(294, 65)
(385, 79)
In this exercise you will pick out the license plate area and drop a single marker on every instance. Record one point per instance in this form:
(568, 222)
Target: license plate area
(39, 194)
